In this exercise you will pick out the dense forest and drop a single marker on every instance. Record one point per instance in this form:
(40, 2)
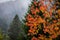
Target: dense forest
(41, 22)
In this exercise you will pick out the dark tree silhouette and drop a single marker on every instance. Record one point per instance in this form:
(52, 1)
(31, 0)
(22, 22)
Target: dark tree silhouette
(14, 29)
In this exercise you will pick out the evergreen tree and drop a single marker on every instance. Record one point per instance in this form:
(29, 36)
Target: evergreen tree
(43, 20)
(14, 29)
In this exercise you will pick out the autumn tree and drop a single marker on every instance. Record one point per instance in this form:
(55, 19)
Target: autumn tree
(43, 20)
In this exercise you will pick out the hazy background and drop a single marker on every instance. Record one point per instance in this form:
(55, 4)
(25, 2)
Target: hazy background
(9, 8)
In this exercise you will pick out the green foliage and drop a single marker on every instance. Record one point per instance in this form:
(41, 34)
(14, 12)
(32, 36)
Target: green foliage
(1, 35)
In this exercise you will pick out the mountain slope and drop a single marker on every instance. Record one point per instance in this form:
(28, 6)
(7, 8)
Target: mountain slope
(9, 9)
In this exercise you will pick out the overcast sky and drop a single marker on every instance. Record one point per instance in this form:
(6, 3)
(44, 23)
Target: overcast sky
(1, 1)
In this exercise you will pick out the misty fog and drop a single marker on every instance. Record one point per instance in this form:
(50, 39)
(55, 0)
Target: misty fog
(9, 9)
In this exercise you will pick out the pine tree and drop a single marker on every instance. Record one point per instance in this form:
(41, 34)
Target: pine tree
(14, 29)
(43, 20)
